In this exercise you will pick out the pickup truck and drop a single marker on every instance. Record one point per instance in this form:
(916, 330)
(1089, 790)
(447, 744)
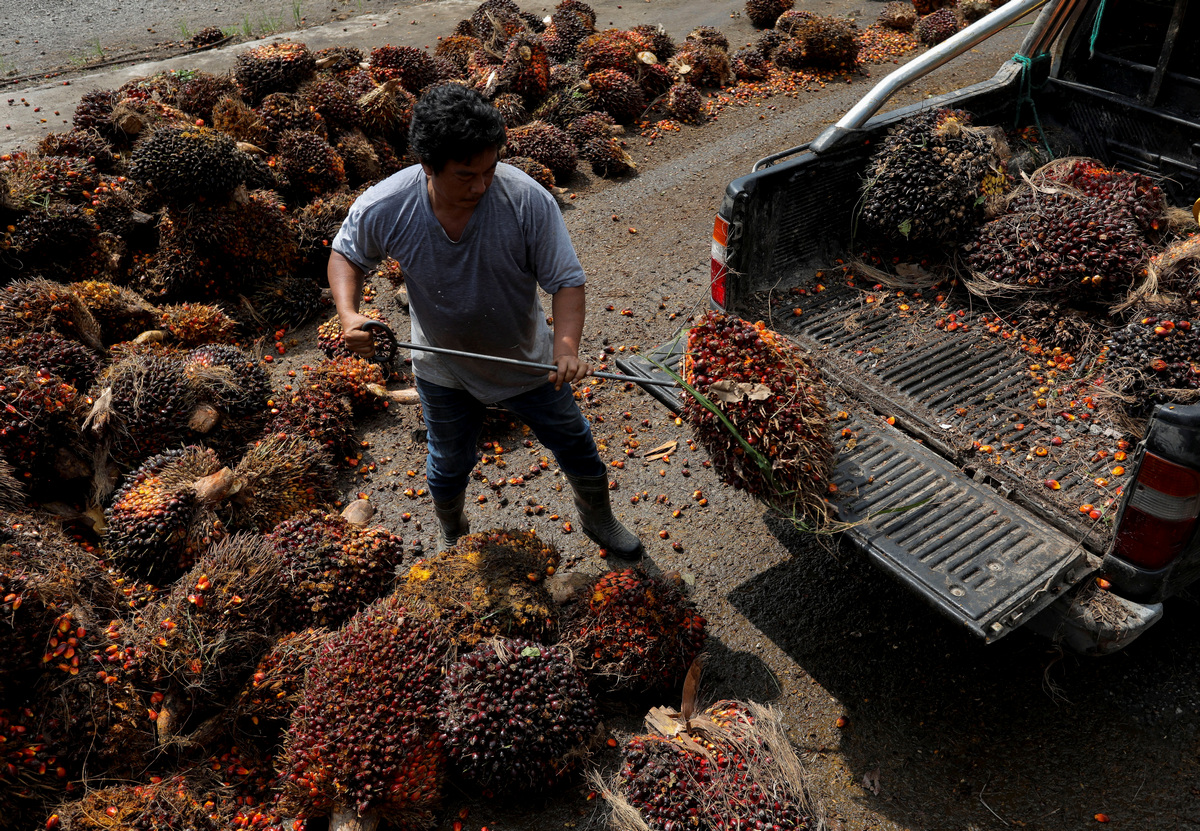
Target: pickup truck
(995, 540)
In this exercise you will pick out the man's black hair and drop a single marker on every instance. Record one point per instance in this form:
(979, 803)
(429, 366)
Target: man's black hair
(453, 122)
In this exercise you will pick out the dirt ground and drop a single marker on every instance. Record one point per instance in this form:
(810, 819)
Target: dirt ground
(940, 731)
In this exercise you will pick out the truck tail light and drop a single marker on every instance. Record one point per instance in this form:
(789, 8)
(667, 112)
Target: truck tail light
(1160, 515)
(719, 269)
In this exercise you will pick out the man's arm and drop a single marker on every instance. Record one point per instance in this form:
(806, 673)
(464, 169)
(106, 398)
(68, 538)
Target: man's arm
(569, 308)
(346, 283)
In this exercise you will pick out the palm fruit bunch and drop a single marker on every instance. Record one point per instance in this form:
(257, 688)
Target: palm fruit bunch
(143, 404)
(329, 338)
(1055, 325)
(515, 715)
(512, 109)
(664, 781)
(332, 567)
(333, 102)
(829, 42)
(169, 805)
(284, 111)
(47, 581)
(546, 144)
(387, 112)
(607, 157)
(458, 49)
(684, 102)
(637, 632)
(65, 359)
(317, 223)
(709, 36)
(38, 305)
(750, 64)
(1136, 192)
(591, 126)
(774, 397)
(138, 116)
(239, 243)
(358, 381)
(94, 111)
(615, 93)
(790, 55)
(229, 378)
(278, 476)
(1079, 246)
(200, 93)
(162, 518)
(926, 183)
(30, 769)
(266, 701)
(1154, 354)
(121, 313)
(287, 301)
(489, 584)
(310, 163)
(1176, 268)
(359, 156)
(898, 15)
(764, 13)
(525, 70)
(790, 21)
(186, 163)
(40, 420)
(275, 67)
(38, 178)
(51, 241)
(236, 119)
(99, 712)
(934, 28)
(339, 61)
(611, 49)
(364, 738)
(731, 764)
(495, 22)
(197, 324)
(971, 10)
(205, 637)
(86, 145)
(703, 65)
(412, 67)
(316, 415)
(537, 171)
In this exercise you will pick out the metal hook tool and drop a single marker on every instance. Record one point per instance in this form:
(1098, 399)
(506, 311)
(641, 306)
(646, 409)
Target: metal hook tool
(374, 325)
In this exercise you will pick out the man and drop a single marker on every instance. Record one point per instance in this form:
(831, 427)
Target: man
(475, 238)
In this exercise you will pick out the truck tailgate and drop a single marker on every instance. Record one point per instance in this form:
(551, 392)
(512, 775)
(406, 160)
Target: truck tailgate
(978, 557)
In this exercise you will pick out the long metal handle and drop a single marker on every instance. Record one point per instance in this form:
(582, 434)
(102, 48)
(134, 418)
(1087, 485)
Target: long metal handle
(948, 49)
(438, 350)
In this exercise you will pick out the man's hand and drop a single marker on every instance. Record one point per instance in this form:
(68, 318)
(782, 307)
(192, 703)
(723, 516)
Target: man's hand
(570, 368)
(358, 340)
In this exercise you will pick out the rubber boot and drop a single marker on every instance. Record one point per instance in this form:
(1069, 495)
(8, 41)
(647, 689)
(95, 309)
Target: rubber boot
(596, 517)
(452, 522)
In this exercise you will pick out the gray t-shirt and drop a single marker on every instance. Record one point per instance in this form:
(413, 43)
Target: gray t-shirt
(478, 294)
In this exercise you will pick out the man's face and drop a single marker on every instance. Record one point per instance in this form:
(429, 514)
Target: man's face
(461, 185)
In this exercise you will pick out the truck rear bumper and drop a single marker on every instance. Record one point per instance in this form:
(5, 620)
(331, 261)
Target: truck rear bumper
(1095, 623)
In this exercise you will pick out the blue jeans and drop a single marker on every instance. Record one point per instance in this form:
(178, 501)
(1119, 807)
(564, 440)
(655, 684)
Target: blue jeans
(454, 421)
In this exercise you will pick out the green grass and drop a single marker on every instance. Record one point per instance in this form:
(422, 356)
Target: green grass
(297, 12)
(184, 32)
